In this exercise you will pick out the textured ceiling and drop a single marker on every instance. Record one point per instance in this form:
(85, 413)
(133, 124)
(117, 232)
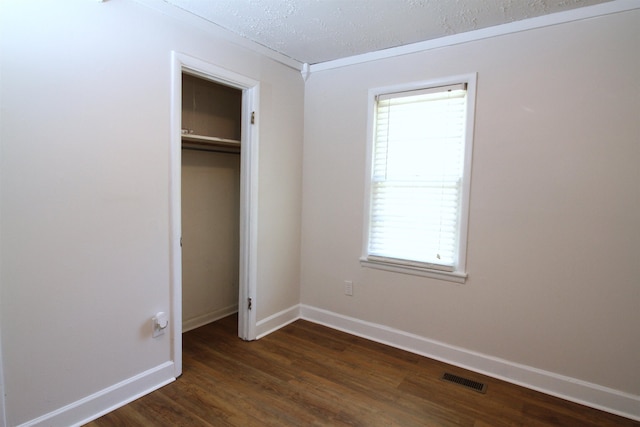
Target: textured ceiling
(314, 31)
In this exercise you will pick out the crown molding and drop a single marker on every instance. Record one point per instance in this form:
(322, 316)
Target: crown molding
(602, 9)
(218, 31)
(578, 14)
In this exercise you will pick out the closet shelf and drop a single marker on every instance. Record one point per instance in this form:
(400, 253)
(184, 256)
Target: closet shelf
(210, 140)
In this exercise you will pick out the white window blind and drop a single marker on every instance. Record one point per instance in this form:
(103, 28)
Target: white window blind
(417, 176)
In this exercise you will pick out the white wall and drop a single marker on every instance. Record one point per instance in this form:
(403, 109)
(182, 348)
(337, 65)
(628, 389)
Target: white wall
(280, 182)
(85, 104)
(555, 200)
(210, 236)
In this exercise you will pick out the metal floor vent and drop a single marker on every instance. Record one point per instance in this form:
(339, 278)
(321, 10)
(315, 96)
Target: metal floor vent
(473, 385)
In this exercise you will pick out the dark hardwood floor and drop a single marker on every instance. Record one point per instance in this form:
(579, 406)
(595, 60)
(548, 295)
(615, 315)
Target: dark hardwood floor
(309, 375)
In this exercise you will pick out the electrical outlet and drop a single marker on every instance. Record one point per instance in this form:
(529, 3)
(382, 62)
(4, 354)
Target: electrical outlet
(160, 322)
(348, 287)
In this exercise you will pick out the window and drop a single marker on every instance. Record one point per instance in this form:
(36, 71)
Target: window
(418, 178)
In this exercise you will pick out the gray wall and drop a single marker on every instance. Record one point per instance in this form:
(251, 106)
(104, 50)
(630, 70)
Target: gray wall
(553, 238)
(84, 192)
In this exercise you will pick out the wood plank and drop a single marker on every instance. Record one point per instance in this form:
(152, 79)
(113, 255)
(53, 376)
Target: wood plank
(309, 375)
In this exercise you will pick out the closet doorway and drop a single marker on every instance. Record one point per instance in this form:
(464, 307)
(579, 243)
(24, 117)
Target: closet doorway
(213, 192)
(211, 133)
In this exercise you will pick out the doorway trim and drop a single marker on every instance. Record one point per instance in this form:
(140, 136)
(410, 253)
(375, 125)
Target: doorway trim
(180, 63)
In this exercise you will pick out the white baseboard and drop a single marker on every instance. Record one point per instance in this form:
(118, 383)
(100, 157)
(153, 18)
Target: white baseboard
(204, 319)
(107, 400)
(582, 392)
(277, 321)
(589, 394)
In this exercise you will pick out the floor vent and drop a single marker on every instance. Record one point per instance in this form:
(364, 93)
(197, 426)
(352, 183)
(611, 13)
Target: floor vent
(473, 385)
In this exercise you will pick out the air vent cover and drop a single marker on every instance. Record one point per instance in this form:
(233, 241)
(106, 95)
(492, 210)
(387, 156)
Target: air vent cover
(473, 385)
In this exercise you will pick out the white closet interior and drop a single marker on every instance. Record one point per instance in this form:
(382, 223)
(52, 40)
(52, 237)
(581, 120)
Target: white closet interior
(211, 126)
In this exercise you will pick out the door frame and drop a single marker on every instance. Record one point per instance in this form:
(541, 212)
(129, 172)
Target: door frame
(180, 63)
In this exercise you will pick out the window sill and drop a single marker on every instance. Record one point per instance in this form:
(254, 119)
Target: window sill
(450, 276)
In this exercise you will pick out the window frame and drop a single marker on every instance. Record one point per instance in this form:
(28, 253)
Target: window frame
(458, 273)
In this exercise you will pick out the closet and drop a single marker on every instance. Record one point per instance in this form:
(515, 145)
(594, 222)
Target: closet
(211, 127)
